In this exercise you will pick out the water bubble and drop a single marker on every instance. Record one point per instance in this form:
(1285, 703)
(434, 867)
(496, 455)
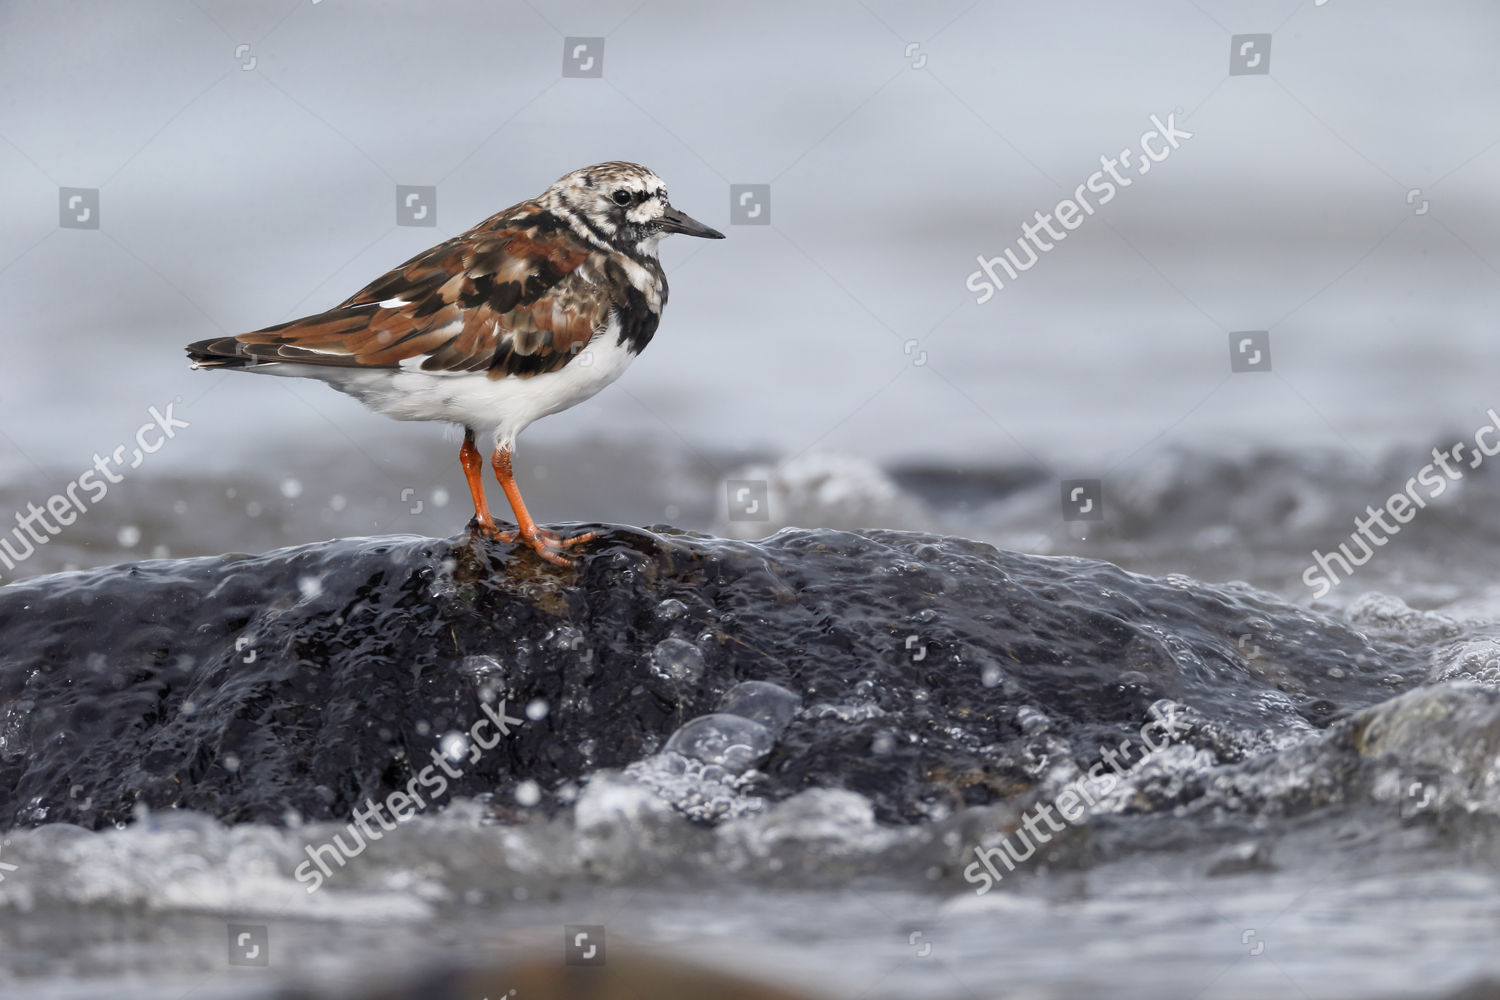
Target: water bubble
(990, 676)
(771, 705)
(128, 537)
(536, 709)
(528, 793)
(677, 660)
(728, 741)
(671, 609)
(291, 488)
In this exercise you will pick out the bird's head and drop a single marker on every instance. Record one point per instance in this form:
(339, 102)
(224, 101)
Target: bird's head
(624, 204)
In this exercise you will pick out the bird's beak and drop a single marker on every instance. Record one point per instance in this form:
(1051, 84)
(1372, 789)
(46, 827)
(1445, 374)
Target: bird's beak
(674, 221)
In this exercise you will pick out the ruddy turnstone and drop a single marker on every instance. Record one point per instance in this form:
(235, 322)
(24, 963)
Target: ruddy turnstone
(533, 310)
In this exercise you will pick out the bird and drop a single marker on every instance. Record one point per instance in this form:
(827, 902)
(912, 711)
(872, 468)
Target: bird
(532, 311)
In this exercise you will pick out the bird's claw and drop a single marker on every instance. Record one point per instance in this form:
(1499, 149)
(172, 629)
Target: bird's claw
(547, 544)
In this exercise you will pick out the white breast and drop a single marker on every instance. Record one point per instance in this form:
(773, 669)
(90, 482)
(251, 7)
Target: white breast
(502, 406)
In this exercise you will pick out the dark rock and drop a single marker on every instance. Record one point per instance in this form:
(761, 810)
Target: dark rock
(933, 672)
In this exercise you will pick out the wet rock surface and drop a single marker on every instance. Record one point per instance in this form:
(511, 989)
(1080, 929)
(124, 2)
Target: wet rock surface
(924, 673)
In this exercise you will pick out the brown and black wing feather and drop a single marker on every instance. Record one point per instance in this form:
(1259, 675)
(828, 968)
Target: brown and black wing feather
(516, 295)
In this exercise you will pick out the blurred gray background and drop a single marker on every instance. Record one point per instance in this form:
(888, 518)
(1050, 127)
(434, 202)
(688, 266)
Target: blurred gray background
(246, 158)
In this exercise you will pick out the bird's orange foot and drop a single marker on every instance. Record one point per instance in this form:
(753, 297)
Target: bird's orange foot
(485, 528)
(549, 545)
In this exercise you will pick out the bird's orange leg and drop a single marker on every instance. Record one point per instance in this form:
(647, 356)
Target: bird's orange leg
(546, 543)
(474, 473)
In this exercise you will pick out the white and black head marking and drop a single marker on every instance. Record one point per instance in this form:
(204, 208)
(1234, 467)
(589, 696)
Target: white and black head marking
(623, 205)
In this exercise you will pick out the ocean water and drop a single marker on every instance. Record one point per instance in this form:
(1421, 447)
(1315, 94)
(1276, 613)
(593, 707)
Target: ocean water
(1343, 203)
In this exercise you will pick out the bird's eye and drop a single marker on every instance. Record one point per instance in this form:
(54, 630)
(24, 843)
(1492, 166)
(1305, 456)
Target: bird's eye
(621, 197)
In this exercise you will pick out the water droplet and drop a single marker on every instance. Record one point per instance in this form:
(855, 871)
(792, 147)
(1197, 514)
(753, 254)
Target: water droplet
(310, 586)
(291, 488)
(440, 497)
(454, 745)
(536, 709)
(677, 660)
(129, 536)
(338, 501)
(253, 508)
(528, 793)
(990, 675)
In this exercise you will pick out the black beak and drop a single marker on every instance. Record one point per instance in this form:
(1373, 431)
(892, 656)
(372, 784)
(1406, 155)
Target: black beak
(674, 221)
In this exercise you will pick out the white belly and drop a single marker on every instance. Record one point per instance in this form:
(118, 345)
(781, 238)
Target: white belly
(502, 406)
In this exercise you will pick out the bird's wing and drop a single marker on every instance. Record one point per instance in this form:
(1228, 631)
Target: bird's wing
(511, 296)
